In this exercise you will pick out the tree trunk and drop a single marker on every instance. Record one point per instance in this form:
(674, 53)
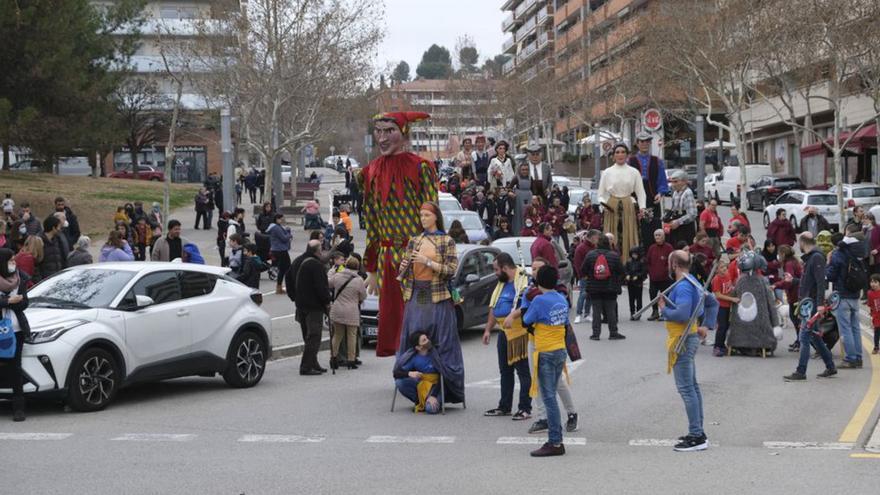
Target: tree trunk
(874, 170)
(169, 152)
(6, 156)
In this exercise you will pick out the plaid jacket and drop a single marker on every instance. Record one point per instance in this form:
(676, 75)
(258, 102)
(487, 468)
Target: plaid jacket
(684, 204)
(449, 264)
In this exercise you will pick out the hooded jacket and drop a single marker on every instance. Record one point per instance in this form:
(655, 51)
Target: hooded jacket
(836, 271)
(111, 253)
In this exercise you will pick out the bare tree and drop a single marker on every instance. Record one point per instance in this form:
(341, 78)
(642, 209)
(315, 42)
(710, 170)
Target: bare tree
(139, 106)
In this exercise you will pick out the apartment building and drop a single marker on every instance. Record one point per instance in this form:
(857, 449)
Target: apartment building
(458, 108)
(168, 25)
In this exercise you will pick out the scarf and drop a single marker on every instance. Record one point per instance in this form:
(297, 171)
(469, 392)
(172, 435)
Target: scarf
(8, 284)
(385, 171)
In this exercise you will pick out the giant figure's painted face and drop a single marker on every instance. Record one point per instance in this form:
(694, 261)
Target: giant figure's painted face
(388, 137)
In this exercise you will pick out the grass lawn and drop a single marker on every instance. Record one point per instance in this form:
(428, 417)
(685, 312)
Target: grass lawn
(93, 200)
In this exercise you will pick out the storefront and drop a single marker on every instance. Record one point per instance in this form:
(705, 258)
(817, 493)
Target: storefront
(859, 159)
(190, 162)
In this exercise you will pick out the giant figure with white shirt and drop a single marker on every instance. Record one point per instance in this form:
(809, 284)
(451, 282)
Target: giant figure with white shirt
(617, 185)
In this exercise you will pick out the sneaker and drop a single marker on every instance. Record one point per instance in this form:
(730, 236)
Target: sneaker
(539, 426)
(795, 347)
(588, 319)
(571, 425)
(654, 317)
(594, 337)
(829, 372)
(577, 319)
(496, 412)
(521, 415)
(852, 365)
(616, 336)
(718, 352)
(692, 444)
(795, 377)
(548, 450)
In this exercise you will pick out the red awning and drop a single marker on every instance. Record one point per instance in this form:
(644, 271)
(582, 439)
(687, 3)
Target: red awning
(865, 138)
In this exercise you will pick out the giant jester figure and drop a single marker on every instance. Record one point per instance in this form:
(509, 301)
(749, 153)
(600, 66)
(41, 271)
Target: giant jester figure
(395, 185)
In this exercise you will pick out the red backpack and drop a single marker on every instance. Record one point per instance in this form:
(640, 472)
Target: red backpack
(601, 270)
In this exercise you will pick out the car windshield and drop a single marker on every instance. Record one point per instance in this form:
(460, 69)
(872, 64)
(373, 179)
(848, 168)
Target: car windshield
(575, 198)
(468, 222)
(866, 192)
(822, 199)
(510, 248)
(447, 204)
(79, 289)
(792, 183)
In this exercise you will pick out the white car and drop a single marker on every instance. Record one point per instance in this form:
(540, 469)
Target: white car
(471, 223)
(98, 328)
(448, 202)
(796, 203)
(865, 194)
(710, 185)
(576, 197)
(727, 184)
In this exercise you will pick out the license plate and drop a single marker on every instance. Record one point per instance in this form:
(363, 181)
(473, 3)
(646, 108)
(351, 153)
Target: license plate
(371, 331)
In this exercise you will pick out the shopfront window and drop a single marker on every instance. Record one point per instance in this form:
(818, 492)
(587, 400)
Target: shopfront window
(190, 162)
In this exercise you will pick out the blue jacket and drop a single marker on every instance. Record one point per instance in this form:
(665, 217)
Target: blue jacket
(836, 271)
(686, 295)
(279, 237)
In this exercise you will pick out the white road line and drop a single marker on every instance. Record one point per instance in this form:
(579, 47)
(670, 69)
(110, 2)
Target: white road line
(496, 382)
(34, 436)
(405, 439)
(538, 440)
(281, 439)
(652, 442)
(809, 445)
(291, 315)
(155, 437)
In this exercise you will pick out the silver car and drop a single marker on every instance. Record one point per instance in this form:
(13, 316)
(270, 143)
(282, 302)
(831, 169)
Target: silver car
(471, 223)
(523, 254)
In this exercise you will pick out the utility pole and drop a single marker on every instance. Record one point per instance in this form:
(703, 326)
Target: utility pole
(226, 150)
(596, 157)
(701, 159)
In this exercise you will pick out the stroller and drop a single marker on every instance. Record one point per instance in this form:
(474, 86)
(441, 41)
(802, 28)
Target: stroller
(262, 242)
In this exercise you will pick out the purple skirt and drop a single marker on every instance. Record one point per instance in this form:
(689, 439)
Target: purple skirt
(438, 321)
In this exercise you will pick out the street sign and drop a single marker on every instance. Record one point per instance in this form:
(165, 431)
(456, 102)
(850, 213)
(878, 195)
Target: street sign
(606, 146)
(684, 149)
(652, 120)
(310, 152)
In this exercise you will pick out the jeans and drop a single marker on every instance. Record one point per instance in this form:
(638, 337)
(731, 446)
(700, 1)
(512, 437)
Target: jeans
(847, 315)
(723, 325)
(685, 372)
(806, 337)
(408, 388)
(525, 379)
(549, 371)
(583, 303)
(562, 389)
(607, 308)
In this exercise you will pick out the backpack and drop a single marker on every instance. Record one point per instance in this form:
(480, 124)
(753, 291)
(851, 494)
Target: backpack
(856, 274)
(601, 269)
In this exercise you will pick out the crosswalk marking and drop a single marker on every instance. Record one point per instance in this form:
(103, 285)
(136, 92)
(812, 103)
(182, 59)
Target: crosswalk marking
(659, 442)
(408, 439)
(809, 445)
(281, 439)
(34, 436)
(155, 437)
(538, 440)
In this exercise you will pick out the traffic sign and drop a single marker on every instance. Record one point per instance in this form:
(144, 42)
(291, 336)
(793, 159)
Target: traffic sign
(606, 146)
(309, 151)
(652, 120)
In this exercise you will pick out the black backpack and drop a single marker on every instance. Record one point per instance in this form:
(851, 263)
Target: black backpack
(856, 274)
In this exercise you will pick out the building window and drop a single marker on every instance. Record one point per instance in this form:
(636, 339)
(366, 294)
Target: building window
(178, 11)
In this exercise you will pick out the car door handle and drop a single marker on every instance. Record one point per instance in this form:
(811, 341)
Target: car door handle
(182, 312)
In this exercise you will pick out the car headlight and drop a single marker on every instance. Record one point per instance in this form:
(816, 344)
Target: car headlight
(48, 333)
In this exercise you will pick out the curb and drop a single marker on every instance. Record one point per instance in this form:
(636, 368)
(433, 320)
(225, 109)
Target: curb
(293, 350)
(873, 443)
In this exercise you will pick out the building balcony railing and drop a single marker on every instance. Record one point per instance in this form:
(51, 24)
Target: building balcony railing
(544, 39)
(527, 52)
(508, 44)
(545, 14)
(526, 29)
(530, 74)
(525, 7)
(508, 23)
(508, 67)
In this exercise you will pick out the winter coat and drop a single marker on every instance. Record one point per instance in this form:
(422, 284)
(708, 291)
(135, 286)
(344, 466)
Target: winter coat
(111, 253)
(345, 309)
(72, 231)
(610, 287)
(161, 250)
(836, 271)
(781, 232)
(542, 247)
(812, 282)
(250, 271)
(279, 237)
(636, 271)
(821, 222)
(79, 257)
(54, 257)
(580, 254)
(18, 308)
(556, 217)
(757, 333)
(658, 261)
(794, 269)
(264, 220)
(313, 276)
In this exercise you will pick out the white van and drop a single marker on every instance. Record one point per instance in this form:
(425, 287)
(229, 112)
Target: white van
(727, 184)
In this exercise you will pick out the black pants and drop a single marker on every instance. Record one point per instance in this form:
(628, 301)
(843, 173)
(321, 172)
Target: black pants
(282, 261)
(209, 215)
(203, 215)
(604, 306)
(141, 252)
(311, 322)
(13, 368)
(655, 288)
(635, 297)
(876, 337)
(521, 368)
(252, 191)
(684, 233)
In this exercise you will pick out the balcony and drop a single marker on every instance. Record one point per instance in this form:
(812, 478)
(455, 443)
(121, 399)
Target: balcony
(509, 66)
(510, 4)
(545, 14)
(545, 39)
(529, 74)
(508, 23)
(526, 29)
(509, 45)
(527, 52)
(524, 8)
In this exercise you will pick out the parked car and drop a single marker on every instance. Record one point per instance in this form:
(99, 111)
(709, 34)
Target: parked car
(562, 181)
(710, 185)
(523, 254)
(796, 203)
(865, 194)
(768, 188)
(145, 172)
(475, 279)
(727, 186)
(576, 196)
(448, 202)
(30, 166)
(332, 161)
(98, 328)
(470, 221)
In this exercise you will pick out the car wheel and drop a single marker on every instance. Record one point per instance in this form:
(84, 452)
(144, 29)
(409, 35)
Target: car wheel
(93, 380)
(154, 179)
(717, 199)
(731, 199)
(246, 361)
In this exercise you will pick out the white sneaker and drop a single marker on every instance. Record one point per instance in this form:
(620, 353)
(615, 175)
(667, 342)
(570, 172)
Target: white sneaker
(588, 318)
(577, 319)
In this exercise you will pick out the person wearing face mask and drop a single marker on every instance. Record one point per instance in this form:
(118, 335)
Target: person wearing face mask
(31, 222)
(54, 255)
(813, 222)
(71, 225)
(513, 341)
(13, 302)
(529, 229)
(66, 247)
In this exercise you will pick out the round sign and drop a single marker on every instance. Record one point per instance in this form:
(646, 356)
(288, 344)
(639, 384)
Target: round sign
(606, 146)
(652, 120)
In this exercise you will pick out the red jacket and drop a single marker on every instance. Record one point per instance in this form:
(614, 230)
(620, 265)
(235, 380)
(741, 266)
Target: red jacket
(781, 232)
(556, 217)
(794, 269)
(874, 306)
(542, 247)
(658, 261)
(579, 254)
(707, 252)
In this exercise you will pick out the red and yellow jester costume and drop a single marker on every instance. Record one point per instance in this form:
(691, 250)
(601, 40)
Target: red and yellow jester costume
(394, 189)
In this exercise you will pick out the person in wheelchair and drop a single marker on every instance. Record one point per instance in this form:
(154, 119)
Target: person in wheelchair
(417, 374)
